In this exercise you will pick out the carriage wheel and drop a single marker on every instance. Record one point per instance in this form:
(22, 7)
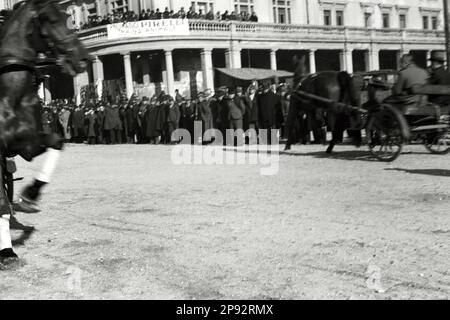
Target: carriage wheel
(386, 134)
(438, 143)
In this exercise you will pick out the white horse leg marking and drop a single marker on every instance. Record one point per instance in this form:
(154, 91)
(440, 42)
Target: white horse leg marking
(49, 166)
(5, 234)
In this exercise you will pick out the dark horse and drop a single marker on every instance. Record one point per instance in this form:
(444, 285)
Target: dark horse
(36, 27)
(332, 85)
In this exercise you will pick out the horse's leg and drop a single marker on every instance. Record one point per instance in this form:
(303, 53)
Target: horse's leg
(6, 250)
(28, 200)
(332, 144)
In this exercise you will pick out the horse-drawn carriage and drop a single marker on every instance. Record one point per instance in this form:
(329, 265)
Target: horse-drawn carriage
(389, 126)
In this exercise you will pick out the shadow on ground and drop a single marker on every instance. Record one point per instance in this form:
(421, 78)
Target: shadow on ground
(356, 155)
(427, 172)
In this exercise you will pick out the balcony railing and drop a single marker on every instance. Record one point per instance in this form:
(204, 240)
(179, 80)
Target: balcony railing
(268, 31)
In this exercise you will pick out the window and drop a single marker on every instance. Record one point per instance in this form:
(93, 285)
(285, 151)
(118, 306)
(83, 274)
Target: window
(327, 17)
(244, 6)
(386, 21)
(368, 20)
(403, 21)
(340, 18)
(281, 11)
(434, 23)
(119, 6)
(205, 6)
(426, 24)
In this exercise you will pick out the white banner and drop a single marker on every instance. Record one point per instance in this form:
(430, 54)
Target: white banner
(148, 28)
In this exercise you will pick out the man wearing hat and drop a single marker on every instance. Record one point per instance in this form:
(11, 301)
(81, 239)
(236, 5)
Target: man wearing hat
(236, 110)
(173, 118)
(268, 103)
(439, 76)
(204, 110)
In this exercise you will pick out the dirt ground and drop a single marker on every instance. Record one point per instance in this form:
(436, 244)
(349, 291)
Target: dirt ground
(123, 222)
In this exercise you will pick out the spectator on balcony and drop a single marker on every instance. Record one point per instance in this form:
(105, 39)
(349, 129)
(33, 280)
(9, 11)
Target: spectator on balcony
(233, 16)
(200, 15)
(151, 15)
(254, 17)
(210, 15)
(132, 16)
(225, 16)
(158, 15)
(182, 13)
(191, 14)
(218, 16)
(143, 15)
(166, 13)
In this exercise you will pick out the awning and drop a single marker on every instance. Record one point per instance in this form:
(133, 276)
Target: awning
(249, 74)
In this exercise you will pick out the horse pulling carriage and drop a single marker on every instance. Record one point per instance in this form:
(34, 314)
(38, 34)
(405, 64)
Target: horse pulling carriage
(389, 126)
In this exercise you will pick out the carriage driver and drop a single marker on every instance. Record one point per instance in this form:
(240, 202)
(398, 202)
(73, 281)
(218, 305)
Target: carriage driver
(439, 76)
(410, 76)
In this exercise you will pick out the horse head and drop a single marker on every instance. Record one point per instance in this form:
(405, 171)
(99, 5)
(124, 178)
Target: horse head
(71, 55)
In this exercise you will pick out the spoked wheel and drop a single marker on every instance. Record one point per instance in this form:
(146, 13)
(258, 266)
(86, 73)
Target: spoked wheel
(386, 132)
(438, 143)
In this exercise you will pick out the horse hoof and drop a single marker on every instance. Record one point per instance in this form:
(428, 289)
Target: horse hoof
(287, 148)
(329, 151)
(8, 259)
(25, 205)
(13, 263)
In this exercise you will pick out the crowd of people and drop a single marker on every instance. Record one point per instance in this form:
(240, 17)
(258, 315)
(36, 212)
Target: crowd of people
(153, 120)
(129, 16)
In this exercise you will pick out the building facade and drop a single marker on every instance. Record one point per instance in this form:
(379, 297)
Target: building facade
(334, 35)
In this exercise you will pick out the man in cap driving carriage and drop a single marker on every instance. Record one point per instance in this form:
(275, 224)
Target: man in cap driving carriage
(439, 76)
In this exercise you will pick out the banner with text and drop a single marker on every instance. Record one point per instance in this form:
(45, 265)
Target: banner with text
(148, 28)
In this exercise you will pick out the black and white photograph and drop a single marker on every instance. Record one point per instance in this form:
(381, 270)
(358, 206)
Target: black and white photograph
(224, 150)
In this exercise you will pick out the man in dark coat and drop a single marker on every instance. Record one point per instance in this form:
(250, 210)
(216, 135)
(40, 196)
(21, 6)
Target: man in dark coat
(173, 118)
(130, 121)
(205, 113)
(77, 124)
(163, 109)
(236, 111)
(100, 124)
(112, 124)
(439, 76)
(269, 102)
(188, 117)
(251, 114)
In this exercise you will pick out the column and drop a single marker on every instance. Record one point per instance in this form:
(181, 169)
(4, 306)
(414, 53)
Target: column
(374, 61)
(233, 59)
(142, 5)
(145, 69)
(228, 59)
(349, 60)
(207, 69)
(273, 59)
(169, 69)
(367, 60)
(400, 54)
(312, 61)
(429, 53)
(342, 61)
(98, 6)
(128, 74)
(97, 67)
(79, 81)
